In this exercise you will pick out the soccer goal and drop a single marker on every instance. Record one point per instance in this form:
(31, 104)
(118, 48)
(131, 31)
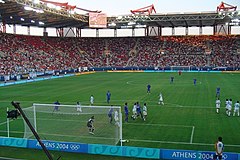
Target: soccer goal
(180, 68)
(69, 123)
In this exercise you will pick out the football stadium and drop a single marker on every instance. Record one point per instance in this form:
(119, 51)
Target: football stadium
(76, 83)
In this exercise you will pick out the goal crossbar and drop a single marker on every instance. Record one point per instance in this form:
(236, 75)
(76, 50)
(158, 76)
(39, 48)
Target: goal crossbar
(68, 120)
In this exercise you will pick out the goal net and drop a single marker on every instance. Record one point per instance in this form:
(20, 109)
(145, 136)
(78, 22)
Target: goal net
(69, 123)
(180, 68)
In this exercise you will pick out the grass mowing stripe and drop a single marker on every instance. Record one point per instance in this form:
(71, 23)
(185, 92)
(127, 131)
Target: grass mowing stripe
(169, 105)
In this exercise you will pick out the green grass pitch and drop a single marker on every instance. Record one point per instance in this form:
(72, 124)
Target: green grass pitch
(188, 119)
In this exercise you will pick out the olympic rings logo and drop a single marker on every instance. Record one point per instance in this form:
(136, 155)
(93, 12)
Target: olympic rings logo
(74, 146)
(224, 156)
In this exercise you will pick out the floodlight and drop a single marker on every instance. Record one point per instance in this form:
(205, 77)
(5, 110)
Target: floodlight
(28, 8)
(112, 24)
(131, 23)
(140, 26)
(39, 11)
(235, 20)
(11, 17)
(58, 8)
(32, 21)
(1, 1)
(119, 17)
(41, 23)
(51, 5)
(22, 19)
(36, 1)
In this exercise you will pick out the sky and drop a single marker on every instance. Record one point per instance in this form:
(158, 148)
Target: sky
(121, 7)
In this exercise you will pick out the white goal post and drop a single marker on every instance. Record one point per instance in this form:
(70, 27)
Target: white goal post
(180, 68)
(69, 123)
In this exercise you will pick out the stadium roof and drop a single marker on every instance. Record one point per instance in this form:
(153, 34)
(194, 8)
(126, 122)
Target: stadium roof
(174, 19)
(16, 12)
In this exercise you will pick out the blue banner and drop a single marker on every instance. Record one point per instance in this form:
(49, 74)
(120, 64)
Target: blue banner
(105, 149)
(13, 142)
(150, 153)
(34, 80)
(139, 152)
(60, 146)
(192, 155)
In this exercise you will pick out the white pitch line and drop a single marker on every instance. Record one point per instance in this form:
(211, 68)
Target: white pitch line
(62, 135)
(70, 136)
(1, 131)
(174, 105)
(185, 143)
(163, 125)
(6, 158)
(65, 120)
(191, 140)
(5, 122)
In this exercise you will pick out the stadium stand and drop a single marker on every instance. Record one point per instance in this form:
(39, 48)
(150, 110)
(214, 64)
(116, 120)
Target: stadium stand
(22, 54)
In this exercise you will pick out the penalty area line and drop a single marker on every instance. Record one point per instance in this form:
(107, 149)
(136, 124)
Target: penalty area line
(158, 124)
(6, 158)
(191, 140)
(5, 122)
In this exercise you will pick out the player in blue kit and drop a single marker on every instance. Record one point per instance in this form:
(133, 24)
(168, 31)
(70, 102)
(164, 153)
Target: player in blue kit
(218, 92)
(171, 79)
(148, 89)
(108, 96)
(126, 112)
(194, 81)
(139, 112)
(56, 106)
(110, 114)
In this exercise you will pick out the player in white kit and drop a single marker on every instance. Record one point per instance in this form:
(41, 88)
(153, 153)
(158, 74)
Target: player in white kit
(226, 103)
(91, 100)
(116, 118)
(219, 146)
(218, 102)
(160, 99)
(134, 111)
(236, 108)
(144, 111)
(229, 107)
(79, 108)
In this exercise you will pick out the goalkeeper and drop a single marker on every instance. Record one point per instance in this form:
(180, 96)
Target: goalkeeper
(56, 106)
(90, 125)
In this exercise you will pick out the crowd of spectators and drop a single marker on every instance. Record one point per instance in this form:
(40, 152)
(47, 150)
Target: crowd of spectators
(23, 54)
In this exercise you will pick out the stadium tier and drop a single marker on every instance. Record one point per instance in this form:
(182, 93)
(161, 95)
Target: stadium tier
(23, 54)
